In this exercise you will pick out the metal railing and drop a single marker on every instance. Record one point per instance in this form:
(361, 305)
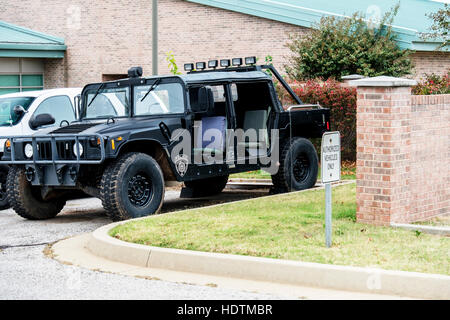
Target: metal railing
(53, 139)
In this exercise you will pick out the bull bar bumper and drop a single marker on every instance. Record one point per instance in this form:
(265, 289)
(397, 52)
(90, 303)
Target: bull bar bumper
(58, 164)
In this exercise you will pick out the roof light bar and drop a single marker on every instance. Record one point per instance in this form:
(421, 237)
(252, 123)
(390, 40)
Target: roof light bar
(225, 63)
(200, 66)
(188, 67)
(237, 62)
(213, 64)
(250, 60)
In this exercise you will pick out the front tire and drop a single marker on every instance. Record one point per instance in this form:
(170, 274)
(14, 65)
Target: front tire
(132, 186)
(4, 204)
(299, 166)
(26, 200)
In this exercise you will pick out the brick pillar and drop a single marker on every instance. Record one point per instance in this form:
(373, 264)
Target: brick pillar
(383, 149)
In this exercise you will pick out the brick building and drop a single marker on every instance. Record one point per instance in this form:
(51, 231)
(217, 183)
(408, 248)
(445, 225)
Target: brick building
(77, 42)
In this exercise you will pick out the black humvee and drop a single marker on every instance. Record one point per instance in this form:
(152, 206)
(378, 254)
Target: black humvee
(137, 135)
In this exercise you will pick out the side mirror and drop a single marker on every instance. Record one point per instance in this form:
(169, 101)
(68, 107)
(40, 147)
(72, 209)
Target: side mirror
(40, 120)
(205, 100)
(19, 110)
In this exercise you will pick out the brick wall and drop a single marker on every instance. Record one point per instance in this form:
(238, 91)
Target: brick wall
(430, 62)
(430, 156)
(403, 154)
(109, 37)
(55, 73)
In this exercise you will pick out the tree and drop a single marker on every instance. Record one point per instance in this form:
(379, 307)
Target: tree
(341, 46)
(440, 27)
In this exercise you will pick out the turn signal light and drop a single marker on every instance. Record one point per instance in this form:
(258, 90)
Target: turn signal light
(95, 142)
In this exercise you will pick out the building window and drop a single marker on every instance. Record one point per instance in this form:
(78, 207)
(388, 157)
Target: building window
(19, 75)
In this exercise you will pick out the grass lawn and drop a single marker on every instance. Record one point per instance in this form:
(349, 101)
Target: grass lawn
(348, 172)
(259, 174)
(291, 226)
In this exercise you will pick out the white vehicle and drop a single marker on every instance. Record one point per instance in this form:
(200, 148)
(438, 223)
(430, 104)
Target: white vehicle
(25, 113)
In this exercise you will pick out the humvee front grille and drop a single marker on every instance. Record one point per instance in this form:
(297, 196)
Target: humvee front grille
(63, 153)
(45, 150)
(65, 150)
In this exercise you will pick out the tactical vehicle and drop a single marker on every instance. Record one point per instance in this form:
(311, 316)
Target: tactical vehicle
(125, 146)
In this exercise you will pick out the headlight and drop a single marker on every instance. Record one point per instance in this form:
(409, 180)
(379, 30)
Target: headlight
(75, 151)
(28, 150)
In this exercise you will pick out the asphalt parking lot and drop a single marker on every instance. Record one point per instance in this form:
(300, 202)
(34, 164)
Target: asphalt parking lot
(27, 273)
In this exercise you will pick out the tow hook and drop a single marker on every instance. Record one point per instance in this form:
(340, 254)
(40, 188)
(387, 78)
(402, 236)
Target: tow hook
(30, 174)
(73, 173)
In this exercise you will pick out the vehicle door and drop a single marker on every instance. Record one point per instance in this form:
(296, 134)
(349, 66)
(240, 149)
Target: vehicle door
(211, 119)
(255, 111)
(160, 104)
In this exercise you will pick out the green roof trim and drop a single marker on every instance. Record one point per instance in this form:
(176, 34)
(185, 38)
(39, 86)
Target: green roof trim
(19, 42)
(409, 23)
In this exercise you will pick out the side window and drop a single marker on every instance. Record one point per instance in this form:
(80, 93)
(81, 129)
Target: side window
(59, 107)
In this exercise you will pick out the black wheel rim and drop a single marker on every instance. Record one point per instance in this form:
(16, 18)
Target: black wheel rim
(301, 168)
(139, 190)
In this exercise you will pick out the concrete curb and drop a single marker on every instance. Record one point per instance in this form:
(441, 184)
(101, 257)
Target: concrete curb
(442, 231)
(411, 284)
(368, 280)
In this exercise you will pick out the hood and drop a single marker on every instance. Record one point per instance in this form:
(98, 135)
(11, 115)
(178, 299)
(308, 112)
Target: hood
(74, 128)
(97, 127)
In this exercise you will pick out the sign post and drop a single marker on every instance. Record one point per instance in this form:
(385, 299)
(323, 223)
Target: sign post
(331, 172)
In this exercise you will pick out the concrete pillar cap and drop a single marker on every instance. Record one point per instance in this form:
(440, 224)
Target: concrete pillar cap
(353, 77)
(383, 81)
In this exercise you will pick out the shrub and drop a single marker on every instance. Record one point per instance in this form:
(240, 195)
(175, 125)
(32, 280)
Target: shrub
(340, 100)
(433, 84)
(341, 46)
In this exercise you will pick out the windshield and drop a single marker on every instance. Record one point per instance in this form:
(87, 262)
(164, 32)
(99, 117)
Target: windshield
(163, 99)
(7, 115)
(108, 103)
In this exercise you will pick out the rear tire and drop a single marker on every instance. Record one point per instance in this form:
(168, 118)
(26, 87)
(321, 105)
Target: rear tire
(299, 166)
(26, 200)
(132, 186)
(4, 204)
(207, 187)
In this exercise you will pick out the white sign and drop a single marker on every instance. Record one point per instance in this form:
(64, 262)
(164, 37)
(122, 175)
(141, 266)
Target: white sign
(331, 157)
